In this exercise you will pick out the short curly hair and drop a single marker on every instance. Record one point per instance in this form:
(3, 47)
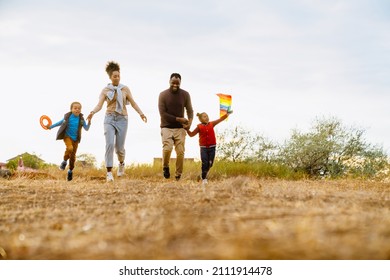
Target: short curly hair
(74, 103)
(175, 75)
(112, 66)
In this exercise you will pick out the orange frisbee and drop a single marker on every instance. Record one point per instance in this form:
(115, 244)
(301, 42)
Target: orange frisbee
(45, 121)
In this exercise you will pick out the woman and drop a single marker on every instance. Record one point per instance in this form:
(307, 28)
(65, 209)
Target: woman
(117, 97)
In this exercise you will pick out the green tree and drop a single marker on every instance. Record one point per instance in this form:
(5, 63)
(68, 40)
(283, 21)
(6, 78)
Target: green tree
(86, 160)
(237, 144)
(331, 148)
(263, 150)
(29, 160)
(12, 164)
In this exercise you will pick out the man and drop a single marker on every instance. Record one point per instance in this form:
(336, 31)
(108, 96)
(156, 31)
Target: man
(171, 104)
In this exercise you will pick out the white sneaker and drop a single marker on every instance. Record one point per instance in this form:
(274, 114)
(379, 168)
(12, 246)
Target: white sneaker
(121, 169)
(110, 177)
(204, 182)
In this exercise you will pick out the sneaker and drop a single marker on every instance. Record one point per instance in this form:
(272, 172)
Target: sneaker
(63, 165)
(110, 178)
(70, 175)
(177, 177)
(121, 169)
(166, 172)
(204, 182)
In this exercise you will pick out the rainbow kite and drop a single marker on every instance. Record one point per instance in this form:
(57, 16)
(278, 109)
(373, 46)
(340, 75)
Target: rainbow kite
(225, 103)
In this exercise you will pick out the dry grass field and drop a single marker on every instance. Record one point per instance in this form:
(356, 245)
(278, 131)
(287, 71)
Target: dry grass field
(44, 217)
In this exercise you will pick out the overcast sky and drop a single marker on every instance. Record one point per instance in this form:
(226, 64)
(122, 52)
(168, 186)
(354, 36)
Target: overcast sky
(284, 62)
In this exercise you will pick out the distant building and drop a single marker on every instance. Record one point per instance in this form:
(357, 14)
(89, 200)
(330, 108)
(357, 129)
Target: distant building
(20, 164)
(3, 165)
(31, 159)
(4, 172)
(158, 161)
(84, 163)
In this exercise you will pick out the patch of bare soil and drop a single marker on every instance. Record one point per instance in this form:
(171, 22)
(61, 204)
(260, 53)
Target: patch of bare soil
(235, 218)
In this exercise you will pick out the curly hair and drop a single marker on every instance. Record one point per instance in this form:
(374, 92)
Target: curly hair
(112, 66)
(74, 103)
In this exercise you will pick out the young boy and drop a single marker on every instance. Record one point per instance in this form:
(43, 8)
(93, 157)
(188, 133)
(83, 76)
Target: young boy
(70, 132)
(207, 141)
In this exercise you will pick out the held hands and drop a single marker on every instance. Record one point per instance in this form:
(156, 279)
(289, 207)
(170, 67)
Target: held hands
(186, 123)
(89, 118)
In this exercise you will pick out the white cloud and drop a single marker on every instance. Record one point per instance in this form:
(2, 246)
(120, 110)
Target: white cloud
(284, 63)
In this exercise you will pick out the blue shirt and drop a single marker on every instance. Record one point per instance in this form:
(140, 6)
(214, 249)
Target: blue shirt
(72, 127)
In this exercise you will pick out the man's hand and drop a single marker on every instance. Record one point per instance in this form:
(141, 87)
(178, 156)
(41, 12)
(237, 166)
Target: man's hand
(183, 121)
(187, 125)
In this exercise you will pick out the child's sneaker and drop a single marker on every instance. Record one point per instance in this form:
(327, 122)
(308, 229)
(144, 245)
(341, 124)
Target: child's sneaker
(110, 178)
(70, 175)
(63, 165)
(121, 169)
(204, 182)
(177, 177)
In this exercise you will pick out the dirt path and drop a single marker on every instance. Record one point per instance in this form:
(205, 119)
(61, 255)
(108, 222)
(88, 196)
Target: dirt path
(236, 218)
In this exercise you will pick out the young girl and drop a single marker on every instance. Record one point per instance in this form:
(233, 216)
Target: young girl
(207, 141)
(70, 132)
(117, 97)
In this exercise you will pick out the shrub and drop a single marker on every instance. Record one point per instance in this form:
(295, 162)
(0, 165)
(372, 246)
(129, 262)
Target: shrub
(330, 148)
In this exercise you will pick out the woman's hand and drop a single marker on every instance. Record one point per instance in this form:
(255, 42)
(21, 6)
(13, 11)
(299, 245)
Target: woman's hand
(144, 118)
(89, 118)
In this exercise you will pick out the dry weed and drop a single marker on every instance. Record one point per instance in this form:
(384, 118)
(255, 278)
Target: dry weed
(234, 218)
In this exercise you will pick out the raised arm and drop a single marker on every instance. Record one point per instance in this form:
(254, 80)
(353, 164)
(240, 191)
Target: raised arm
(224, 117)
